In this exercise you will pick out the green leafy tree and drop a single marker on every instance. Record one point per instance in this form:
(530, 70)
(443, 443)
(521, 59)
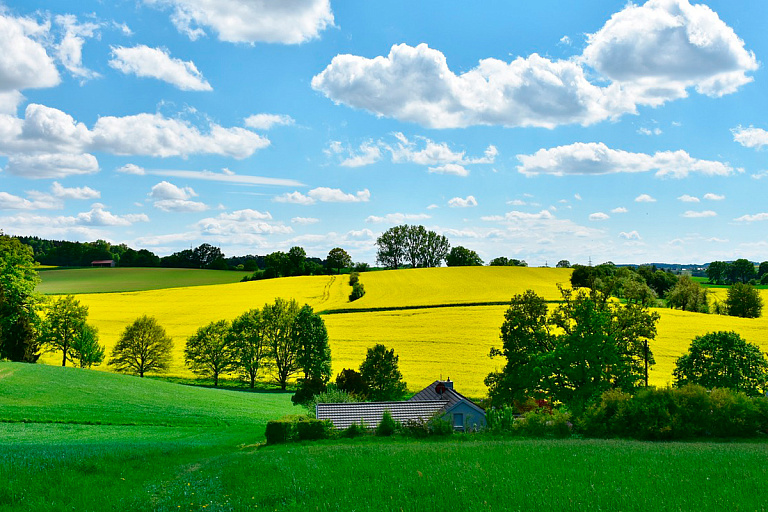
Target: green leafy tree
(723, 360)
(563, 264)
(381, 375)
(503, 261)
(86, 350)
(314, 355)
(143, 347)
(390, 245)
(276, 264)
(209, 351)
(278, 321)
(744, 300)
(64, 320)
(249, 344)
(584, 347)
(762, 269)
(463, 257)
(338, 259)
(19, 321)
(688, 295)
(741, 271)
(717, 272)
(351, 381)
(296, 258)
(205, 255)
(435, 250)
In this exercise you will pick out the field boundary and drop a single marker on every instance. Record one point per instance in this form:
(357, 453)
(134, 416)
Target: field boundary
(340, 311)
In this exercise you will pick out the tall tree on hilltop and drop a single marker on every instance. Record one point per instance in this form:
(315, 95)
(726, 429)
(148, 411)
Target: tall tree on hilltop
(143, 347)
(18, 302)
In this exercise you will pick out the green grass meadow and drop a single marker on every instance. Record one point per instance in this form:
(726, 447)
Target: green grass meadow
(106, 280)
(74, 439)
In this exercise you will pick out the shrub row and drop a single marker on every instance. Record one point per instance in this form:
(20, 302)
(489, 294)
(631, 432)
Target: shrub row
(298, 428)
(541, 422)
(358, 290)
(676, 413)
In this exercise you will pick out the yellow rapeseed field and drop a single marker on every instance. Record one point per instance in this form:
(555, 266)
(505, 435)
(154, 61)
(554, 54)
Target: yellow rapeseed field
(432, 343)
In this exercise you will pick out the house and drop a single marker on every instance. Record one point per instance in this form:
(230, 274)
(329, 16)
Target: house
(439, 398)
(103, 263)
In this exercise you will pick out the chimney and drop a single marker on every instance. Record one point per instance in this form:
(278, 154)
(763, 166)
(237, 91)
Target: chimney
(448, 383)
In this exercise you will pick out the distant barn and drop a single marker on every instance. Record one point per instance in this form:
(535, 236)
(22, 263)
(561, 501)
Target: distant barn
(439, 399)
(103, 263)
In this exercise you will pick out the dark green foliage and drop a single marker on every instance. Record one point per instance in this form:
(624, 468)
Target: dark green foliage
(381, 375)
(338, 259)
(354, 278)
(64, 320)
(744, 301)
(209, 352)
(246, 336)
(544, 423)
(279, 320)
(688, 295)
(739, 271)
(439, 426)
(501, 418)
(311, 429)
(503, 261)
(563, 264)
(723, 360)
(351, 381)
(279, 431)
(358, 290)
(387, 426)
(297, 428)
(762, 270)
(307, 390)
(86, 350)
(354, 430)
(331, 395)
(143, 347)
(18, 302)
(361, 267)
(310, 337)
(411, 244)
(463, 257)
(675, 413)
(586, 346)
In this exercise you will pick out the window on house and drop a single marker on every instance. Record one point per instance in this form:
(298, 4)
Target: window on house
(458, 420)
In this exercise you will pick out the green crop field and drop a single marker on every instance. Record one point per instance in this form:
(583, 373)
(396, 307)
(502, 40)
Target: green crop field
(105, 280)
(81, 440)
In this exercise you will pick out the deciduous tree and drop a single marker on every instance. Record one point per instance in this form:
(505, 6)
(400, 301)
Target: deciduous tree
(86, 350)
(278, 321)
(18, 302)
(209, 351)
(64, 320)
(688, 295)
(338, 259)
(143, 347)
(744, 300)
(314, 357)
(381, 375)
(249, 344)
(463, 257)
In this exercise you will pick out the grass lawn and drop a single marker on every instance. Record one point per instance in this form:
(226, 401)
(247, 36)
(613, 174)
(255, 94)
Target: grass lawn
(140, 444)
(105, 280)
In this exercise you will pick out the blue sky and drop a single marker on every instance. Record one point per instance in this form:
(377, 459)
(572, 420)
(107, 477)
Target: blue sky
(552, 130)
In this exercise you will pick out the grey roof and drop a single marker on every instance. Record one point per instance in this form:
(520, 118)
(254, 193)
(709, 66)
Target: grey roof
(448, 394)
(343, 415)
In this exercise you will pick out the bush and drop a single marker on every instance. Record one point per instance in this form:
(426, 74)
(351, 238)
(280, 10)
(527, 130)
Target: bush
(387, 426)
(279, 431)
(605, 418)
(354, 278)
(501, 419)
(440, 427)
(355, 430)
(358, 290)
(331, 396)
(416, 428)
(542, 423)
(311, 429)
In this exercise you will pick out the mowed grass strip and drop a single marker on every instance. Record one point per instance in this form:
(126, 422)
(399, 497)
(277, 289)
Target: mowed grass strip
(108, 280)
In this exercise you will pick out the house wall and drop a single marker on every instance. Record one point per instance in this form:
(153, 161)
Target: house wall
(472, 417)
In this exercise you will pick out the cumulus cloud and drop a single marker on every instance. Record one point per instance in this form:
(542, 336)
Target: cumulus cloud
(144, 61)
(51, 165)
(454, 169)
(251, 21)
(324, 195)
(645, 55)
(753, 218)
(596, 158)
(620, 209)
(74, 192)
(713, 197)
(688, 199)
(132, 169)
(368, 153)
(459, 202)
(98, 216)
(598, 216)
(644, 198)
(397, 218)
(267, 121)
(70, 49)
(751, 137)
(170, 198)
(648, 131)
(24, 62)
(631, 235)
(38, 202)
(690, 214)
(304, 220)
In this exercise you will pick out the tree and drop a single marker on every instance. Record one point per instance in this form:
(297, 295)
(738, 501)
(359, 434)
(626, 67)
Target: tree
(296, 258)
(351, 381)
(338, 259)
(586, 346)
(742, 271)
(64, 320)
(717, 272)
(278, 321)
(209, 351)
(744, 301)
(205, 255)
(762, 269)
(143, 347)
(249, 344)
(463, 257)
(18, 302)
(381, 375)
(86, 350)
(688, 295)
(723, 360)
(563, 264)
(314, 353)
(435, 250)
(276, 264)
(503, 261)
(391, 247)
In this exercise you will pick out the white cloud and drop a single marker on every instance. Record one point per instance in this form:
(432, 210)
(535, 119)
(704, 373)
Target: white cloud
(166, 190)
(132, 169)
(51, 165)
(458, 202)
(516, 202)
(690, 214)
(24, 62)
(750, 137)
(74, 193)
(577, 197)
(397, 218)
(144, 61)
(656, 51)
(41, 202)
(241, 225)
(324, 195)
(598, 216)
(304, 221)
(620, 209)
(267, 121)
(631, 235)
(98, 216)
(251, 21)
(713, 197)
(368, 153)
(644, 198)
(753, 218)
(224, 177)
(70, 49)
(432, 207)
(170, 198)
(688, 199)
(648, 131)
(454, 169)
(596, 158)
